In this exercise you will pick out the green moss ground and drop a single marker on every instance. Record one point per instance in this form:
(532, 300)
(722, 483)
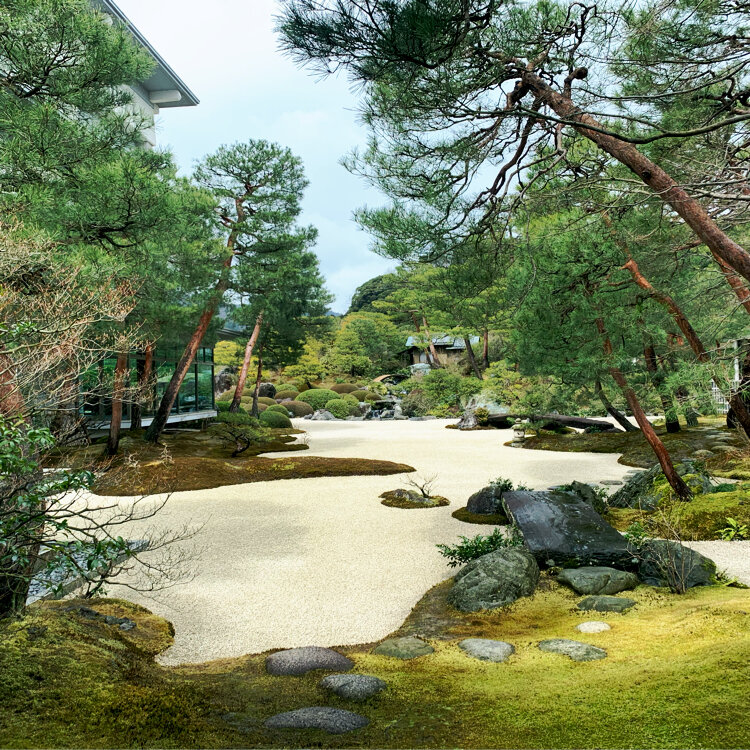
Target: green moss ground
(494, 519)
(392, 500)
(676, 675)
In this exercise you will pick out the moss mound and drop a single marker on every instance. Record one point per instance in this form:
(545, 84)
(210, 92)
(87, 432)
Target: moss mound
(340, 408)
(272, 418)
(344, 388)
(317, 397)
(281, 395)
(299, 408)
(226, 396)
(360, 395)
(279, 408)
(494, 519)
(397, 499)
(265, 400)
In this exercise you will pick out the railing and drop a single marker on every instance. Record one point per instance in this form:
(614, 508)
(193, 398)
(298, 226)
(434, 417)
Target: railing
(718, 396)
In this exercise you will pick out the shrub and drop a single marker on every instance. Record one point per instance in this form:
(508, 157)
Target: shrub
(415, 404)
(266, 400)
(339, 407)
(444, 388)
(482, 416)
(350, 399)
(280, 408)
(360, 395)
(222, 406)
(240, 431)
(281, 395)
(317, 397)
(226, 396)
(470, 549)
(371, 397)
(344, 388)
(271, 418)
(240, 417)
(299, 408)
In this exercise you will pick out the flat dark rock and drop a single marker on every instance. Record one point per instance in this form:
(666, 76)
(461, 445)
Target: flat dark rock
(576, 650)
(331, 720)
(598, 580)
(355, 687)
(606, 603)
(299, 661)
(562, 528)
(405, 647)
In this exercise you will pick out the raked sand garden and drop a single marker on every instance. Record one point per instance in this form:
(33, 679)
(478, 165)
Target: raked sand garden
(319, 561)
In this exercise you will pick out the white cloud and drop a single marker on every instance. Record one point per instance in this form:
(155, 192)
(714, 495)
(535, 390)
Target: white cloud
(227, 53)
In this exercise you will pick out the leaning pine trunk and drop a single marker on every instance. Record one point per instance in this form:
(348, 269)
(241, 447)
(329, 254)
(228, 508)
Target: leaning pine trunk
(237, 399)
(689, 209)
(433, 352)
(113, 441)
(670, 413)
(618, 416)
(472, 358)
(259, 377)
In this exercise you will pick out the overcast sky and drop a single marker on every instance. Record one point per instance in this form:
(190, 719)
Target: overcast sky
(227, 53)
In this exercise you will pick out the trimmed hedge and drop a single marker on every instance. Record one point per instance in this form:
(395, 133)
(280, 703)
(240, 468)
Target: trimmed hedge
(351, 399)
(317, 397)
(372, 397)
(298, 408)
(281, 395)
(280, 408)
(360, 395)
(339, 407)
(287, 387)
(228, 417)
(272, 418)
(344, 388)
(266, 400)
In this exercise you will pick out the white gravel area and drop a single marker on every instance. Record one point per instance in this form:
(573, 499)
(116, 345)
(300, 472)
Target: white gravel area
(320, 561)
(732, 558)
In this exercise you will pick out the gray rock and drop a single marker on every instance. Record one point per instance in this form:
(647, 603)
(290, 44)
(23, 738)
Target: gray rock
(355, 687)
(298, 661)
(494, 580)
(665, 563)
(331, 720)
(596, 580)
(322, 415)
(487, 650)
(610, 482)
(638, 490)
(606, 603)
(267, 390)
(406, 647)
(487, 501)
(562, 527)
(593, 626)
(703, 454)
(576, 650)
(585, 492)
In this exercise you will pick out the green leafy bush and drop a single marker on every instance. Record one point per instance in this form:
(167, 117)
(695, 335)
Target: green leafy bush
(267, 400)
(226, 396)
(317, 397)
(280, 408)
(444, 388)
(416, 404)
(271, 418)
(240, 417)
(734, 530)
(482, 416)
(299, 408)
(287, 387)
(344, 388)
(360, 395)
(339, 407)
(352, 400)
(281, 395)
(372, 397)
(240, 431)
(470, 549)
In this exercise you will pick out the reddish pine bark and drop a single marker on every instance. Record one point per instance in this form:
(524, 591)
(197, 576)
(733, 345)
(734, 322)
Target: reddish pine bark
(255, 412)
(433, 352)
(113, 440)
(12, 403)
(237, 398)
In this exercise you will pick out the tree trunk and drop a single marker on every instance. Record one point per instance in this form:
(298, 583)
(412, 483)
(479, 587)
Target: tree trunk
(618, 416)
(67, 426)
(485, 349)
(472, 358)
(741, 413)
(145, 369)
(12, 403)
(433, 352)
(255, 412)
(692, 213)
(657, 378)
(237, 399)
(113, 441)
(662, 454)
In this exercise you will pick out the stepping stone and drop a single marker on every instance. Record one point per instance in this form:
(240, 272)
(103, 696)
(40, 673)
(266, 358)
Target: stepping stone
(606, 603)
(598, 580)
(299, 661)
(408, 647)
(331, 720)
(576, 650)
(609, 482)
(487, 650)
(354, 687)
(593, 626)
(566, 529)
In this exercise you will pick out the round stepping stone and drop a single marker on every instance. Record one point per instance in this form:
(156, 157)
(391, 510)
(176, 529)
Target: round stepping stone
(576, 650)
(331, 720)
(606, 603)
(598, 580)
(407, 647)
(486, 649)
(299, 661)
(354, 687)
(593, 626)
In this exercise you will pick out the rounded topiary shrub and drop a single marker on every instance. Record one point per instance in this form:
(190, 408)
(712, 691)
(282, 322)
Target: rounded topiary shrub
(299, 408)
(317, 397)
(226, 396)
(372, 397)
(267, 400)
(360, 395)
(280, 408)
(222, 406)
(281, 395)
(272, 418)
(344, 388)
(286, 387)
(351, 399)
(228, 417)
(339, 407)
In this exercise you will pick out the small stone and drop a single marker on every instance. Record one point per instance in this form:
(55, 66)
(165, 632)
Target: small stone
(298, 661)
(407, 647)
(610, 482)
(576, 650)
(593, 626)
(331, 720)
(606, 603)
(129, 625)
(598, 580)
(355, 687)
(703, 454)
(487, 650)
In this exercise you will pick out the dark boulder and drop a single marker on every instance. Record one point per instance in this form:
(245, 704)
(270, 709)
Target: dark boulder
(606, 603)
(671, 564)
(598, 580)
(486, 502)
(267, 390)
